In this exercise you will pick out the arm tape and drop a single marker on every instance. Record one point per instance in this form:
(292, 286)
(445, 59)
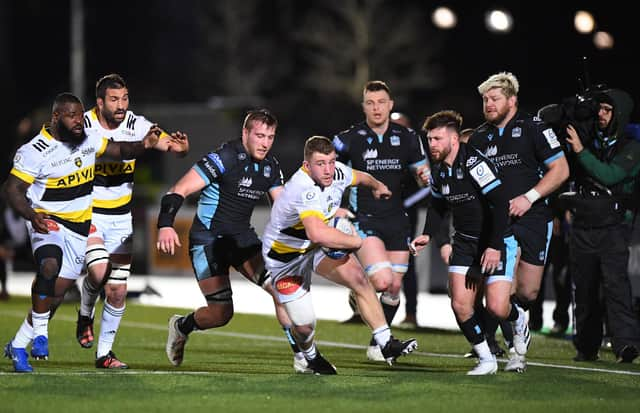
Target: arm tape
(532, 195)
(169, 206)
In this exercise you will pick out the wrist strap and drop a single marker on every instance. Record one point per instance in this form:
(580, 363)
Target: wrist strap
(169, 206)
(532, 195)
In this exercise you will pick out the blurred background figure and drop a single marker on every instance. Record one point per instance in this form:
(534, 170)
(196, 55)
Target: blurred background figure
(556, 268)
(414, 198)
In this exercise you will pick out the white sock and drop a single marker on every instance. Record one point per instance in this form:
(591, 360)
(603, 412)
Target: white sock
(23, 336)
(299, 355)
(311, 352)
(88, 298)
(108, 328)
(382, 335)
(40, 323)
(483, 351)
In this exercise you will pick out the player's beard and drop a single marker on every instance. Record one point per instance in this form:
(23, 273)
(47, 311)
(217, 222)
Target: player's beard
(67, 135)
(110, 117)
(500, 116)
(440, 156)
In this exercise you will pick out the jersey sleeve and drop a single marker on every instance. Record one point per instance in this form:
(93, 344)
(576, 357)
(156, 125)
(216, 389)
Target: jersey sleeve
(27, 165)
(341, 142)
(277, 177)
(417, 153)
(308, 203)
(547, 145)
(142, 126)
(436, 208)
(344, 176)
(213, 165)
(483, 172)
(486, 178)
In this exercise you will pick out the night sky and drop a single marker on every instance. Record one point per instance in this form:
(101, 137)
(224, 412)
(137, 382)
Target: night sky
(155, 46)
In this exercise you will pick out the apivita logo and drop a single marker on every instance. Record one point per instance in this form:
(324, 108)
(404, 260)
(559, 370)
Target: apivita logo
(370, 154)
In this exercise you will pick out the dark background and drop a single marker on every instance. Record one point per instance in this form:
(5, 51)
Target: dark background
(297, 58)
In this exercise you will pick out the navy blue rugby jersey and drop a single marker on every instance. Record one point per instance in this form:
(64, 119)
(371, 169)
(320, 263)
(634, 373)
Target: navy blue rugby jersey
(234, 184)
(388, 158)
(472, 189)
(521, 151)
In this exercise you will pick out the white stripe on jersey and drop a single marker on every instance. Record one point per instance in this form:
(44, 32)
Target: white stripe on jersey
(132, 129)
(302, 197)
(56, 172)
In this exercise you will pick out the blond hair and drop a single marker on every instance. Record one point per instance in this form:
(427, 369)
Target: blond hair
(506, 81)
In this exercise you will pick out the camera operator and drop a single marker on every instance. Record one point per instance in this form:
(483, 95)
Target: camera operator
(604, 169)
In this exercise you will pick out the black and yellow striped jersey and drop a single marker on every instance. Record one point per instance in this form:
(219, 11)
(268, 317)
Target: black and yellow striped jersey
(61, 177)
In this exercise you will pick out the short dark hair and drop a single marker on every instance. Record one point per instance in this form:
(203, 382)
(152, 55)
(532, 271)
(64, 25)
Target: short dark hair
(375, 86)
(318, 144)
(446, 118)
(110, 81)
(64, 98)
(259, 115)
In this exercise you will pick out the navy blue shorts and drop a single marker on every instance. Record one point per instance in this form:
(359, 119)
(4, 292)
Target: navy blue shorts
(210, 260)
(393, 230)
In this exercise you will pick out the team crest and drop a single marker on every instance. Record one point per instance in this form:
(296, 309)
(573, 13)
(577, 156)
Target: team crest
(267, 171)
(370, 154)
(490, 137)
(245, 181)
(492, 150)
(369, 140)
(459, 173)
(78, 162)
(242, 156)
(395, 140)
(516, 132)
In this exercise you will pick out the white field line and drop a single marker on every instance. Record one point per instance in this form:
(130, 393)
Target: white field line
(214, 332)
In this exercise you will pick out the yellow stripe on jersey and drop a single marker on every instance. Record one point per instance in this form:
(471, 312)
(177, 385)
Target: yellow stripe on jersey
(76, 178)
(45, 132)
(305, 214)
(73, 216)
(112, 203)
(115, 168)
(281, 248)
(23, 176)
(103, 147)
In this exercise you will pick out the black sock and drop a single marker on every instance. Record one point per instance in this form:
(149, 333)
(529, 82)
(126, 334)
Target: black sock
(389, 311)
(187, 324)
(507, 332)
(489, 325)
(472, 330)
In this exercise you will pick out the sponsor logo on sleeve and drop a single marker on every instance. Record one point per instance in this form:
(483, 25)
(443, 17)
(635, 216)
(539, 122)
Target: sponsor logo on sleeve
(215, 158)
(482, 174)
(551, 137)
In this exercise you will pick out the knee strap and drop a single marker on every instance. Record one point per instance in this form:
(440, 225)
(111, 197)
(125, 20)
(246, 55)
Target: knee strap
(399, 268)
(374, 268)
(220, 297)
(49, 260)
(96, 254)
(119, 274)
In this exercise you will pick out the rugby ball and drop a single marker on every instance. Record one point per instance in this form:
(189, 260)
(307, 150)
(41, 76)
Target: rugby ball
(341, 224)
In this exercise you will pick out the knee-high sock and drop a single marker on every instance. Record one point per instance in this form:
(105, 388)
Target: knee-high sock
(88, 297)
(40, 323)
(24, 335)
(111, 318)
